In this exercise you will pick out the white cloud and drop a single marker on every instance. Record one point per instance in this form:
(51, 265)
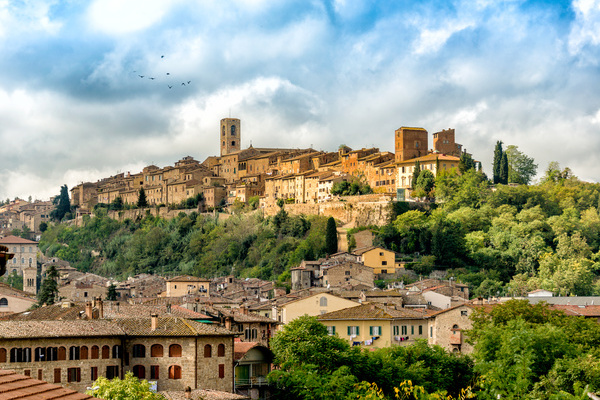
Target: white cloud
(27, 18)
(126, 16)
(432, 40)
(586, 27)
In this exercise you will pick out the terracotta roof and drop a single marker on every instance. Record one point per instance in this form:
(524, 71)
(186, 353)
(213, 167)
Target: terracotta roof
(241, 348)
(205, 394)
(188, 278)
(431, 157)
(372, 311)
(584, 311)
(44, 329)
(16, 386)
(170, 327)
(16, 240)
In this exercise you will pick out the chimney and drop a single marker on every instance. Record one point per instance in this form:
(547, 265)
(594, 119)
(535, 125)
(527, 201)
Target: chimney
(228, 323)
(88, 310)
(100, 304)
(153, 322)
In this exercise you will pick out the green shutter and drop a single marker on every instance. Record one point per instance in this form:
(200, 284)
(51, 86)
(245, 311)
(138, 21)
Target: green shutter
(349, 331)
(357, 331)
(370, 331)
(333, 330)
(380, 330)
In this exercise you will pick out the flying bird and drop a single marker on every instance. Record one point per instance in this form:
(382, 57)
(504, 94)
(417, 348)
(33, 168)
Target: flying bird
(189, 82)
(152, 78)
(169, 86)
(162, 56)
(168, 73)
(182, 83)
(141, 76)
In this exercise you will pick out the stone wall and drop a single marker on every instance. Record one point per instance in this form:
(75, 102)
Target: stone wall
(350, 211)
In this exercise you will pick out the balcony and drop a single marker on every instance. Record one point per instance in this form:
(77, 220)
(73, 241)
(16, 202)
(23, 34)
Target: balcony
(456, 337)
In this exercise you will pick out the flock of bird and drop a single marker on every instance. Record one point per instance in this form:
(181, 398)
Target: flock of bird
(170, 85)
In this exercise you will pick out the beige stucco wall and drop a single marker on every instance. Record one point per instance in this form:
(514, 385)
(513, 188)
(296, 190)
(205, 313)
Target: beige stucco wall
(311, 306)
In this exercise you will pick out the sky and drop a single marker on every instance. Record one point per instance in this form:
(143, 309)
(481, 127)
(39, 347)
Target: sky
(92, 89)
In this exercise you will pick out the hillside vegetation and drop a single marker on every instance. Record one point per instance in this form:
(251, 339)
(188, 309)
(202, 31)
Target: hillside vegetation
(501, 240)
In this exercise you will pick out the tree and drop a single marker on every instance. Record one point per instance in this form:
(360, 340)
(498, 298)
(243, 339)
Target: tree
(496, 168)
(331, 239)
(416, 172)
(49, 290)
(521, 168)
(43, 226)
(130, 388)
(306, 341)
(425, 184)
(63, 204)
(466, 162)
(504, 169)
(117, 204)
(111, 294)
(142, 201)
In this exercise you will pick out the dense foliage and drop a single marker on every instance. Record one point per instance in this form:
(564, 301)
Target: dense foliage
(130, 388)
(314, 365)
(246, 245)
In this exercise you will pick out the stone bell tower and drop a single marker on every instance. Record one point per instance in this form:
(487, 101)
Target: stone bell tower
(230, 135)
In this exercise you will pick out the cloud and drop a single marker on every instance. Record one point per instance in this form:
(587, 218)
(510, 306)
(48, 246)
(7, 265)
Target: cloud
(585, 30)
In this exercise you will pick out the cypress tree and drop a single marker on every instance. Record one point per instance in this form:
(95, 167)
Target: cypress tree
(142, 201)
(496, 171)
(49, 291)
(504, 169)
(331, 240)
(416, 173)
(63, 204)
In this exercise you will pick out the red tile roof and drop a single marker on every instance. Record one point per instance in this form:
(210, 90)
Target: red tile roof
(16, 240)
(15, 386)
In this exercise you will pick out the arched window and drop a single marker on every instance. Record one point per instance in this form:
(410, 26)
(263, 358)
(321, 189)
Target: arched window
(221, 350)
(139, 371)
(455, 327)
(74, 353)
(232, 130)
(174, 372)
(94, 354)
(40, 354)
(139, 351)
(156, 350)
(62, 353)
(323, 302)
(116, 351)
(174, 350)
(52, 353)
(223, 130)
(207, 351)
(105, 352)
(84, 352)
(2, 355)
(4, 302)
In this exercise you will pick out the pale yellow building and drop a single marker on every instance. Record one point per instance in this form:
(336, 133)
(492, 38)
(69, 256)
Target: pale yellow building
(375, 325)
(381, 260)
(433, 162)
(317, 304)
(185, 284)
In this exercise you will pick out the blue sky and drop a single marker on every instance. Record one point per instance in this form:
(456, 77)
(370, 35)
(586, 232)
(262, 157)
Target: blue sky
(74, 108)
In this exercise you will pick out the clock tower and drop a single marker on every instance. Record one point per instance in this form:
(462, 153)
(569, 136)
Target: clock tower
(230, 135)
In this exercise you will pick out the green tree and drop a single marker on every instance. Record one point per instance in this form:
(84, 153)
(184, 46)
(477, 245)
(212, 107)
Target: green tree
(130, 388)
(43, 226)
(466, 162)
(117, 204)
(416, 172)
(111, 293)
(521, 168)
(496, 168)
(48, 293)
(142, 201)
(331, 239)
(63, 204)
(504, 169)
(425, 185)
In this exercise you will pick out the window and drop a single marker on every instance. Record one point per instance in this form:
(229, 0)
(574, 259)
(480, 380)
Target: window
(431, 331)
(154, 372)
(56, 375)
(94, 353)
(331, 330)
(384, 271)
(346, 272)
(174, 350)
(94, 373)
(40, 375)
(412, 329)
(2, 355)
(323, 302)
(39, 354)
(52, 353)
(139, 351)
(116, 351)
(73, 374)
(221, 350)
(112, 371)
(3, 302)
(105, 352)
(221, 371)
(20, 355)
(139, 371)
(353, 331)
(156, 350)
(463, 313)
(250, 334)
(74, 353)
(420, 329)
(404, 330)
(207, 351)
(27, 372)
(174, 372)
(384, 263)
(83, 352)
(374, 331)
(396, 330)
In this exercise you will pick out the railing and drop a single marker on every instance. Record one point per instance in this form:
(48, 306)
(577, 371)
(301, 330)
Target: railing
(254, 381)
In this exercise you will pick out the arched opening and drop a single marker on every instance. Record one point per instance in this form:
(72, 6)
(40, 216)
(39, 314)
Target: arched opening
(174, 372)
(139, 371)
(174, 350)
(207, 351)
(221, 350)
(156, 350)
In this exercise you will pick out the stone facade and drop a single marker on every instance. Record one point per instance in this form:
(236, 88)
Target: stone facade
(446, 328)
(25, 252)
(410, 143)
